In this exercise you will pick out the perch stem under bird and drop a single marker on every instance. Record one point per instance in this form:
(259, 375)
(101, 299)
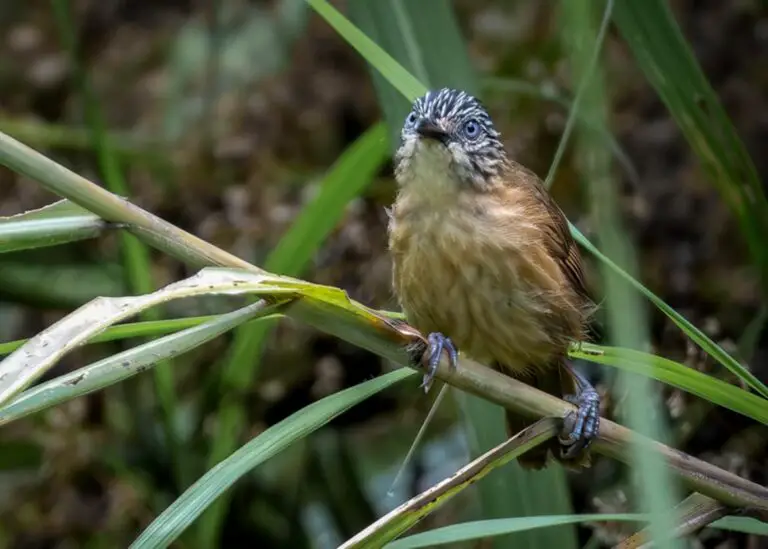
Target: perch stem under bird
(484, 263)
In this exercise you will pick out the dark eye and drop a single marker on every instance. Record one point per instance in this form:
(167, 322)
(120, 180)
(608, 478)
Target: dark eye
(411, 120)
(471, 129)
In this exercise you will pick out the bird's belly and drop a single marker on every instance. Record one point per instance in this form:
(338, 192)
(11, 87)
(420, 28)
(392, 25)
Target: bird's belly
(475, 295)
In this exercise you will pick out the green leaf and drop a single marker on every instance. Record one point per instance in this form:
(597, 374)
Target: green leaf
(496, 527)
(52, 225)
(131, 330)
(182, 512)
(627, 319)
(697, 336)
(421, 36)
(487, 528)
(346, 180)
(665, 57)
(123, 365)
(677, 375)
(393, 71)
(742, 524)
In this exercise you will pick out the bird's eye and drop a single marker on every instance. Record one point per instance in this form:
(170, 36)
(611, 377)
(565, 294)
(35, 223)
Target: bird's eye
(411, 120)
(472, 129)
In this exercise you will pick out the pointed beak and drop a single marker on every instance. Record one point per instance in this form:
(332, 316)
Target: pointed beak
(430, 130)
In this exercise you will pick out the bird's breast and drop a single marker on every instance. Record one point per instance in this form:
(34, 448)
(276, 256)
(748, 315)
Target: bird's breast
(454, 272)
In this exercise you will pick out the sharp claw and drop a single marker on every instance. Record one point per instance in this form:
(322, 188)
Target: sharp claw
(583, 425)
(437, 344)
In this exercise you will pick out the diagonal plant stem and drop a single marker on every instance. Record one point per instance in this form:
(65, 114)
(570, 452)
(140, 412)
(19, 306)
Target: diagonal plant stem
(409, 513)
(693, 513)
(156, 232)
(384, 338)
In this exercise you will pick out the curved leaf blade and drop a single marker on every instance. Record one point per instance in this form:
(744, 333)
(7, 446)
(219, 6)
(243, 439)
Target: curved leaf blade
(182, 512)
(468, 531)
(19, 369)
(666, 59)
(677, 375)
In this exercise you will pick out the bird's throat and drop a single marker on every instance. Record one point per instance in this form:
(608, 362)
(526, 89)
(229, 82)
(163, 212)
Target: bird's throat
(426, 177)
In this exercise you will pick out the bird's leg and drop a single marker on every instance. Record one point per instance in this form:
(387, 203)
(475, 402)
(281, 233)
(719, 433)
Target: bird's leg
(583, 425)
(436, 344)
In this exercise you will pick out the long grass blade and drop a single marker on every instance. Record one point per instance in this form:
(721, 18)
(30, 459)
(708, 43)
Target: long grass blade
(627, 320)
(478, 530)
(666, 59)
(58, 223)
(182, 512)
(677, 375)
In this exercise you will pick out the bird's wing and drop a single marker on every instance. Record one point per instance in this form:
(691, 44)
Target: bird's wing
(561, 244)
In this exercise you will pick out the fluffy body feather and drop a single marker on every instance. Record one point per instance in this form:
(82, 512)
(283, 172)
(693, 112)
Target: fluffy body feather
(485, 268)
(482, 254)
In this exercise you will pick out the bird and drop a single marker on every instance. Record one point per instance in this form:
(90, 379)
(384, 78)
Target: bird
(483, 262)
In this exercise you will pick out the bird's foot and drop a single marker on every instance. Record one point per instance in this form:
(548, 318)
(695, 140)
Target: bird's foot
(582, 426)
(430, 356)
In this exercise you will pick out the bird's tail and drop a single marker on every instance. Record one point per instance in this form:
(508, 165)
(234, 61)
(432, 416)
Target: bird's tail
(557, 381)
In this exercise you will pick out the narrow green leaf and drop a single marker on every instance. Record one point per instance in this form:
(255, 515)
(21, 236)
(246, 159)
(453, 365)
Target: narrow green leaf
(697, 336)
(52, 225)
(136, 329)
(496, 527)
(421, 36)
(742, 524)
(346, 180)
(677, 375)
(182, 512)
(627, 318)
(665, 57)
(487, 528)
(400, 78)
(123, 365)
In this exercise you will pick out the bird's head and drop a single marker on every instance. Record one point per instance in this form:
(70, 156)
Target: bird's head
(449, 133)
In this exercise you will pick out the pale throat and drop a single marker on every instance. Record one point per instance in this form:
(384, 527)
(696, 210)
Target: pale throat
(427, 175)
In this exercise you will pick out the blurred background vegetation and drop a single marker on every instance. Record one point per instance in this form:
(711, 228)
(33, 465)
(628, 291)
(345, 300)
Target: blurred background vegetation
(224, 117)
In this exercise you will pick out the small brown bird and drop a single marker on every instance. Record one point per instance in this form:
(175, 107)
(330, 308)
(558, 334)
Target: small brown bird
(484, 261)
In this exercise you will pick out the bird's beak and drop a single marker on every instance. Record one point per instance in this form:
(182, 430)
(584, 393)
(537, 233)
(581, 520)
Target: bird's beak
(430, 130)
